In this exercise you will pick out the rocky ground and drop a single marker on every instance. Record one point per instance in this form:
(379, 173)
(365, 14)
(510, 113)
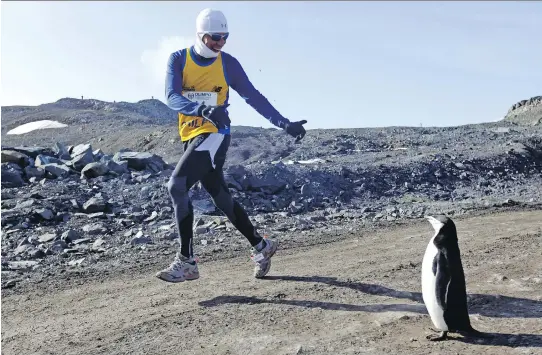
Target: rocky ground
(89, 204)
(67, 206)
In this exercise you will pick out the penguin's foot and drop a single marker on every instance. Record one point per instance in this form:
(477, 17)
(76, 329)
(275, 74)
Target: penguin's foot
(442, 336)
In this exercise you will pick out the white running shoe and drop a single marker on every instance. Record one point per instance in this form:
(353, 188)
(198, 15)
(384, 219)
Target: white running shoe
(262, 259)
(181, 269)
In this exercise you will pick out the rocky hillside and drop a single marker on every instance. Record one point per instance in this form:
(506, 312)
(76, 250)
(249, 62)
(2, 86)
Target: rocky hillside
(78, 111)
(151, 126)
(526, 112)
(82, 196)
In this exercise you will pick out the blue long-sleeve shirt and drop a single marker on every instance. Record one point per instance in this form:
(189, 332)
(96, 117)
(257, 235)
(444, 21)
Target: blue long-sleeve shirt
(237, 80)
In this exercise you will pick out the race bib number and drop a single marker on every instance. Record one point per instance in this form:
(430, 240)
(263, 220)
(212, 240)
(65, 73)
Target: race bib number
(202, 97)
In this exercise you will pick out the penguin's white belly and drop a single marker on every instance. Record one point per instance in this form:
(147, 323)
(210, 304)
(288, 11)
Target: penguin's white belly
(429, 289)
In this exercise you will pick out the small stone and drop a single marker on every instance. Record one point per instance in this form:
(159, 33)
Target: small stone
(26, 203)
(98, 243)
(45, 213)
(152, 217)
(58, 246)
(96, 215)
(95, 204)
(69, 236)
(23, 249)
(10, 284)
(22, 265)
(76, 262)
(96, 228)
(47, 237)
(141, 240)
(81, 241)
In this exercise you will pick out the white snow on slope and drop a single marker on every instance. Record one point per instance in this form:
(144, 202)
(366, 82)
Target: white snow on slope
(32, 126)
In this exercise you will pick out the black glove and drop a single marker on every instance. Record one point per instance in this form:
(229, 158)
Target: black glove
(217, 115)
(295, 129)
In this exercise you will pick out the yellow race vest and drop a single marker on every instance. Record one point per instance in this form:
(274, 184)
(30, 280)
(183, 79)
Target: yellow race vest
(201, 84)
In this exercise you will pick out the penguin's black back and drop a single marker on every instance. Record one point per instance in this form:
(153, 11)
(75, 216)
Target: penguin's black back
(456, 314)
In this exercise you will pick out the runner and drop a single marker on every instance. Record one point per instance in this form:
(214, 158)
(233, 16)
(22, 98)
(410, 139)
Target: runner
(198, 83)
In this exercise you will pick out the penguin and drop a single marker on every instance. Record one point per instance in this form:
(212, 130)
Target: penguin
(443, 282)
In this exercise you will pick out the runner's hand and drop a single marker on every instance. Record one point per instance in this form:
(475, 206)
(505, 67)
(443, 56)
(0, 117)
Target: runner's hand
(296, 129)
(217, 115)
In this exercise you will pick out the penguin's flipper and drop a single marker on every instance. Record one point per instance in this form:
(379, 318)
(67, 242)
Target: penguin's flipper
(443, 276)
(442, 336)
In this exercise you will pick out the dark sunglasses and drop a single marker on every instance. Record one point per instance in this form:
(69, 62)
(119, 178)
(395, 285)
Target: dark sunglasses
(218, 36)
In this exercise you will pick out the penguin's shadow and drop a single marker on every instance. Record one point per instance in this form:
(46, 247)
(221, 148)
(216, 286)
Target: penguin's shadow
(509, 340)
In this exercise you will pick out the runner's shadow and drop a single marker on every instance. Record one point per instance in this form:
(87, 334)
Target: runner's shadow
(249, 300)
(495, 306)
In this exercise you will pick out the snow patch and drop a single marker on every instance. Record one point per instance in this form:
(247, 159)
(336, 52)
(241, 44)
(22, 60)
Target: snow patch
(32, 126)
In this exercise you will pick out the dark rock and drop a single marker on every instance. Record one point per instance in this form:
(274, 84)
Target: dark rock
(12, 156)
(95, 204)
(94, 170)
(42, 160)
(33, 152)
(140, 161)
(11, 178)
(57, 170)
(82, 157)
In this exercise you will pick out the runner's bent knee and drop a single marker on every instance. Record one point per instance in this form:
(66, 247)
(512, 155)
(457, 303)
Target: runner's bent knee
(177, 190)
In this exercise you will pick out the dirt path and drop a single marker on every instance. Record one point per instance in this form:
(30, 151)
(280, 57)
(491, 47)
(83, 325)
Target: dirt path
(350, 297)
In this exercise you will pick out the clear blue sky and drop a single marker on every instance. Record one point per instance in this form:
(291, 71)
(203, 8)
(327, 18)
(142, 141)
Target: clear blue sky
(336, 64)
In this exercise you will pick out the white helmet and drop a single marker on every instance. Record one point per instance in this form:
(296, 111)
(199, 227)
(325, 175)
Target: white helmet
(209, 21)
